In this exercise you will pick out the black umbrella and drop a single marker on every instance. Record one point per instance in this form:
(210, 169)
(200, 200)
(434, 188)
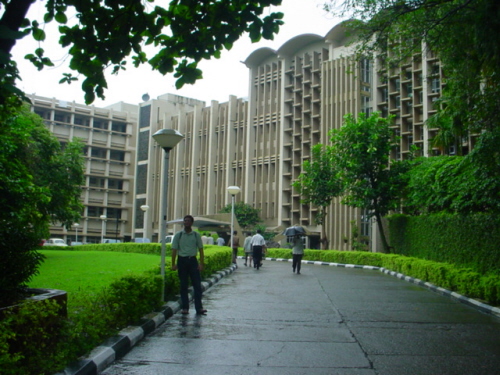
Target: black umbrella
(294, 231)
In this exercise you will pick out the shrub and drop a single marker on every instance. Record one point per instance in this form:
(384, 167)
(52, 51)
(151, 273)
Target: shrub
(33, 339)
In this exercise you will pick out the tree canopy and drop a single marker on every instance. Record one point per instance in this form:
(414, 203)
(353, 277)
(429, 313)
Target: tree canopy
(318, 184)
(39, 183)
(246, 215)
(360, 150)
(104, 34)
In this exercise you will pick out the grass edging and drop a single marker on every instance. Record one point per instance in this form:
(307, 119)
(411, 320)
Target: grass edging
(117, 346)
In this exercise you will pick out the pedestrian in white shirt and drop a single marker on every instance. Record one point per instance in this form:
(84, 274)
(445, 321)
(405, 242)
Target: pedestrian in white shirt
(258, 248)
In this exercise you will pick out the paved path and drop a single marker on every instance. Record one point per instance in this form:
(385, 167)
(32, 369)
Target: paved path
(328, 320)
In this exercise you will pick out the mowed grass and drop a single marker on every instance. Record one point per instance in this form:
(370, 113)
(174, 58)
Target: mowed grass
(88, 272)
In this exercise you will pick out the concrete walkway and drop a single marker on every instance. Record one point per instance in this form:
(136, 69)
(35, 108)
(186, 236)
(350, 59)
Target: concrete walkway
(328, 320)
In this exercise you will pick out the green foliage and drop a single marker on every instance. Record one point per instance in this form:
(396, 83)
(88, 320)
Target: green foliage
(183, 33)
(40, 183)
(246, 215)
(318, 184)
(451, 184)
(360, 150)
(469, 241)
(32, 339)
(97, 309)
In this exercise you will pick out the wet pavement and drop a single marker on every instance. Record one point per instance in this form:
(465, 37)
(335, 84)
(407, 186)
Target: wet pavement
(327, 320)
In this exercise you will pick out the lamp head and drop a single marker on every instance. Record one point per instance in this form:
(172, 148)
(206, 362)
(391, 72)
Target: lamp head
(167, 138)
(233, 190)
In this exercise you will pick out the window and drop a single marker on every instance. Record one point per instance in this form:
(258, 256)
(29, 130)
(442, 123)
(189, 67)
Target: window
(119, 127)
(366, 76)
(98, 153)
(435, 85)
(93, 211)
(96, 182)
(115, 184)
(117, 155)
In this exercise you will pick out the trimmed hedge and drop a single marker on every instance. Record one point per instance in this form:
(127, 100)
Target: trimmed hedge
(461, 280)
(471, 241)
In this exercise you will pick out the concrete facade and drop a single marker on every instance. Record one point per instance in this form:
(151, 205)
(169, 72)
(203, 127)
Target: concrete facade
(297, 94)
(109, 138)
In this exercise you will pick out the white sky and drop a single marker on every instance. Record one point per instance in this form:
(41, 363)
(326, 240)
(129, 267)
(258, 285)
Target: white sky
(223, 77)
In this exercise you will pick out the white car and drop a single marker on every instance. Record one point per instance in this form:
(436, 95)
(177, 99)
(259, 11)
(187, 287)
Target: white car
(55, 242)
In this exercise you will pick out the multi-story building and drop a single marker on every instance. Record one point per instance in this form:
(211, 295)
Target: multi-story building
(297, 94)
(109, 137)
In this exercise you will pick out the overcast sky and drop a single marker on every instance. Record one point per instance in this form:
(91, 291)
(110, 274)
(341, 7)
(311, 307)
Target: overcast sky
(223, 77)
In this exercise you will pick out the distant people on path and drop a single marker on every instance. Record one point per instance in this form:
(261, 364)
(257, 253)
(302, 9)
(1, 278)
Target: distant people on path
(258, 249)
(221, 241)
(204, 239)
(185, 246)
(247, 247)
(235, 245)
(210, 240)
(297, 253)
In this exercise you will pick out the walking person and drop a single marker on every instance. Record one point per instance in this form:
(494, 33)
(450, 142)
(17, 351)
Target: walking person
(247, 247)
(235, 245)
(220, 241)
(185, 246)
(297, 253)
(258, 249)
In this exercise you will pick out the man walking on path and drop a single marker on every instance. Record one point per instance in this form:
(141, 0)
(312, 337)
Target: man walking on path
(185, 245)
(258, 247)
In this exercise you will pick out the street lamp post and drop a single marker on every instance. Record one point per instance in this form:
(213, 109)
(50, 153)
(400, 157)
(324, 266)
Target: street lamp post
(103, 218)
(233, 190)
(145, 225)
(167, 139)
(76, 225)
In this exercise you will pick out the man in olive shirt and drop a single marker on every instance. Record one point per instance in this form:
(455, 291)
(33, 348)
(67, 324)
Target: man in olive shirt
(185, 245)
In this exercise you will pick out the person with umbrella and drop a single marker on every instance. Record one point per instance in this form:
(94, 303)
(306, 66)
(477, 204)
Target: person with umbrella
(297, 252)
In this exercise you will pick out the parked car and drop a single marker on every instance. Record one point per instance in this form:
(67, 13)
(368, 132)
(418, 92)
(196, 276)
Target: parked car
(55, 242)
(109, 240)
(74, 243)
(142, 240)
(169, 238)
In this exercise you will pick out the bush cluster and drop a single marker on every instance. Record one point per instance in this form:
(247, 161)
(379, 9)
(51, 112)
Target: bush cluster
(37, 340)
(469, 241)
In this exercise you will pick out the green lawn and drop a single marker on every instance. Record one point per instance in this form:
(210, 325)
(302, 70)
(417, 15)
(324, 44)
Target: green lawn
(88, 271)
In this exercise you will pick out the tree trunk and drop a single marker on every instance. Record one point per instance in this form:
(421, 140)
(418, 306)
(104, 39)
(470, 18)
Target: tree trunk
(380, 226)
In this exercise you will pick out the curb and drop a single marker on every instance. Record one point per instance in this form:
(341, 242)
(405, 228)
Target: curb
(483, 307)
(117, 346)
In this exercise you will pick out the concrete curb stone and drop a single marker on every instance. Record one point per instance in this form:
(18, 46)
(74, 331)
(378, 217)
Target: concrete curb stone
(117, 346)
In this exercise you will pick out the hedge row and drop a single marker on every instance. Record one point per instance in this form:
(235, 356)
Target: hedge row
(459, 279)
(470, 241)
(34, 339)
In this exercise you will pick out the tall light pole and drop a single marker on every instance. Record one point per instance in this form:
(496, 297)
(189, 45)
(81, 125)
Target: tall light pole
(233, 190)
(103, 218)
(145, 209)
(167, 139)
(76, 225)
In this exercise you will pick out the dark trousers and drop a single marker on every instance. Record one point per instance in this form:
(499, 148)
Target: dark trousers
(297, 261)
(187, 268)
(257, 256)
